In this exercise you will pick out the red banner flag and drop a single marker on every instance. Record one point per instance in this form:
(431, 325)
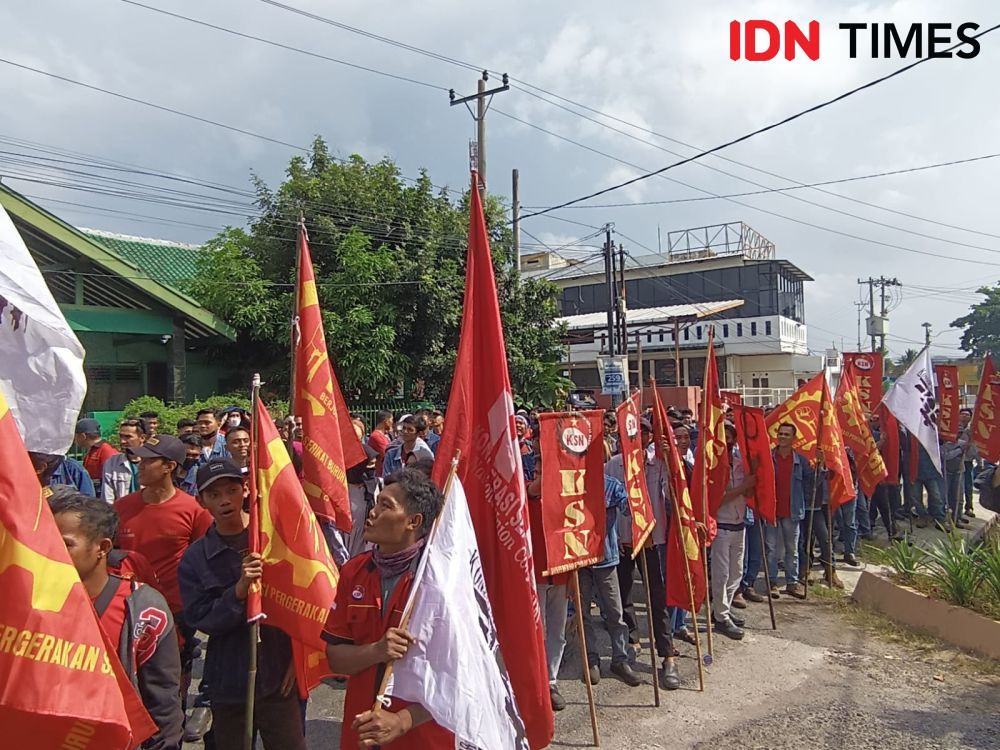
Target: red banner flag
(889, 437)
(731, 398)
(480, 424)
(711, 467)
(812, 412)
(866, 369)
(985, 434)
(684, 551)
(755, 449)
(634, 467)
(573, 514)
(62, 685)
(329, 443)
(858, 435)
(948, 401)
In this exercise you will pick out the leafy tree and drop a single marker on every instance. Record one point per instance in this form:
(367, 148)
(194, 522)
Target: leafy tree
(389, 258)
(982, 325)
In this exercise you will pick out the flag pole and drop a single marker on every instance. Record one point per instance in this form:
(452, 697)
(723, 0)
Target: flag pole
(255, 625)
(411, 602)
(758, 519)
(690, 588)
(812, 505)
(294, 333)
(649, 624)
(704, 505)
(575, 580)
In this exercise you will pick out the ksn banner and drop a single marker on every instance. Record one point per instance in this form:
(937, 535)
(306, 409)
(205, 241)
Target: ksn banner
(634, 463)
(948, 401)
(866, 369)
(573, 514)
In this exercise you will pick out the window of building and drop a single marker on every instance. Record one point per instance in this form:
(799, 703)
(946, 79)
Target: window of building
(767, 327)
(697, 332)
(687, 334)
(739, 330)
(753, 328)
(760, 382)
(661, 337)
(725, 330)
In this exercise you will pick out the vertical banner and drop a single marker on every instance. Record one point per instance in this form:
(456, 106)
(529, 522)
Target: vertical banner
(948, 401)
(573, 510)
(985, 434)
(755, 448)
(731, 398)
(634, 465)
(866, 369)
(858, 435)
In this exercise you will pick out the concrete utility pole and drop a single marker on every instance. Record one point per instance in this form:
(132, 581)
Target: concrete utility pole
(609, 278)
(878, 325)
(927, 333)
(516, 211)
(482, 98)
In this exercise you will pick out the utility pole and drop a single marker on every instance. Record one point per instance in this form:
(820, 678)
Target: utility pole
(878, 325)
(861, 306)
(516, 211)
(482, 97)
(609, 250)
(927, 333)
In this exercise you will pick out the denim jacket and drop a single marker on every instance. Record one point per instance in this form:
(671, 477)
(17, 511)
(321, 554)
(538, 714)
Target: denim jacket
(616, 502)
(803, 478)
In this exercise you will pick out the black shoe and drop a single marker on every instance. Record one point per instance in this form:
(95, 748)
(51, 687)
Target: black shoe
(595, 674)
(738, 621)
(624, 672)
(852, 561)
(729, 630)
(670, 677)
(557, 701)
(970, 512)
(684, 635)
(196, 723)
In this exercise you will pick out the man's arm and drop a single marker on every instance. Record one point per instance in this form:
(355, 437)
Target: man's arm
(347, 658)
(385, 726)
(159, 667)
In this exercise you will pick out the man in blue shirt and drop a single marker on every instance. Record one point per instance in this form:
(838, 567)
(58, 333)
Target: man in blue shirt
(602, 579)
(54, 470)
(212, 440)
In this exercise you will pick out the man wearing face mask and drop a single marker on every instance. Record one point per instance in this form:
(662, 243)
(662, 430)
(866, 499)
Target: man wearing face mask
(120, 475)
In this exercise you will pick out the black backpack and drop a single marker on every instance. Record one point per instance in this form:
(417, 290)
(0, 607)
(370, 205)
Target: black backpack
(989, 496)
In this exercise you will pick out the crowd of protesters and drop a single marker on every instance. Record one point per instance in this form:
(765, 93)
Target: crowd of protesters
(167, 511)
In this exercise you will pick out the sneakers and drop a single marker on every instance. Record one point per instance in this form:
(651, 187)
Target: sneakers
(750, 595)
(557, 701)
(670, 677)
(796, 590)
(728, 629)
(595, 674)
(738, 601)
(852, 561)
(969, 512)
(624, 672)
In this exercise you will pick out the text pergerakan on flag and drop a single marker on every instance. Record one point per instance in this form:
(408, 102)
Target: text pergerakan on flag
(634, 465)
(300, 579)
(480, 424)
(454, 669)
(61, 685)
(985, 425)
(42, 373)
(912, 399)
(329, 443)
(573, 506)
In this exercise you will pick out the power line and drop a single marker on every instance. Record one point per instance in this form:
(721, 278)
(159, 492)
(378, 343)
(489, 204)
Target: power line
(754, 133)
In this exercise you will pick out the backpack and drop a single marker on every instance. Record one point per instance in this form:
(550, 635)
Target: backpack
(989, 496)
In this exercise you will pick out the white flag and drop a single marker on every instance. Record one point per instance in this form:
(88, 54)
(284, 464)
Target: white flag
(454, 669)
(913, 401)
(41, 360)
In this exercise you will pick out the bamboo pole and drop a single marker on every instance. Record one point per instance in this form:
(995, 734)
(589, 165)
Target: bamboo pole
(294, 334)
(812, 505)
(767, 572)
(575, 579)
(255, 625)
(704, 511)
(652, 636)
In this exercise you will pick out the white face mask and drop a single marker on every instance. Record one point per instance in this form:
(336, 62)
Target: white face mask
(235, 420)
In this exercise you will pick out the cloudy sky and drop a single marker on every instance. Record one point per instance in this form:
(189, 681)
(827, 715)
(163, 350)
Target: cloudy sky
(662, 68)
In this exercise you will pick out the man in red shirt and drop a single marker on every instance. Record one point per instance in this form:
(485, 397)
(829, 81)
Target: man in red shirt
(98, 450)
(362, 630)
(161, 522)
(381, 437)
(793, 478)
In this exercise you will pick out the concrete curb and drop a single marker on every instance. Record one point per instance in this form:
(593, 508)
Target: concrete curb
(958, 626)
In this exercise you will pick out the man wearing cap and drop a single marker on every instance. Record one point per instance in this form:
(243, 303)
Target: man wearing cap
(88, 437)
(161, 522)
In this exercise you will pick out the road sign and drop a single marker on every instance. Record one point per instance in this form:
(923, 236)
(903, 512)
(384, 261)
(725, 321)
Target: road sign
(614, 375)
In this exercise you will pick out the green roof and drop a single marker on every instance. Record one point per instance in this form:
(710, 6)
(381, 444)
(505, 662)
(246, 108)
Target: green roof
(170, 263)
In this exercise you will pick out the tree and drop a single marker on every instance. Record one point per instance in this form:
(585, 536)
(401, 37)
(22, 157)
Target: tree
(390, 270)
(981, 326)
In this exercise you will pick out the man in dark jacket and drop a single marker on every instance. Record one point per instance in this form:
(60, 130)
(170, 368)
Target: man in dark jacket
(134, 615)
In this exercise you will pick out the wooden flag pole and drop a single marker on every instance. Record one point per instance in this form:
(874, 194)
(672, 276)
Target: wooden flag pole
(759, 521)
(248, 733)
(408, 609)
(812, 505)
(575, 579)
(652, 636)
(704, 515)
(690, 588)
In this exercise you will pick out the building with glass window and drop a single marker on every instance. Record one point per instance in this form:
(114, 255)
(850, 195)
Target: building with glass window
(725, 277)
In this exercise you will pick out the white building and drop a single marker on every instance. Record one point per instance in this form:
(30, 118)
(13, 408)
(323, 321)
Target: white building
(726, 277)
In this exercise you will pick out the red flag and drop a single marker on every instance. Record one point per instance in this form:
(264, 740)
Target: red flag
(812, 412)
(889, 429)
(573, 508)
(480, 423)
(62, 685)
(329, 443)
(985, 434)
(948, 401)
(634, 467)
(299, 582)
(755, 448)
(711, 467)
(731, 398)
(858, 435)
(684, 551)
(866, 369)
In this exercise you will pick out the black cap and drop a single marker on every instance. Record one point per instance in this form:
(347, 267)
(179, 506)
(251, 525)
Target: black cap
(217, 468)
(89, 426)
(161, 446)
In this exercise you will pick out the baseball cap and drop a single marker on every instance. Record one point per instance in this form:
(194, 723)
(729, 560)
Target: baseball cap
(89, 426)
(217, 468)
(645, 425)
(161, 446)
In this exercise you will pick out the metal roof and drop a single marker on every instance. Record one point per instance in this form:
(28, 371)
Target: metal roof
(650, 315)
